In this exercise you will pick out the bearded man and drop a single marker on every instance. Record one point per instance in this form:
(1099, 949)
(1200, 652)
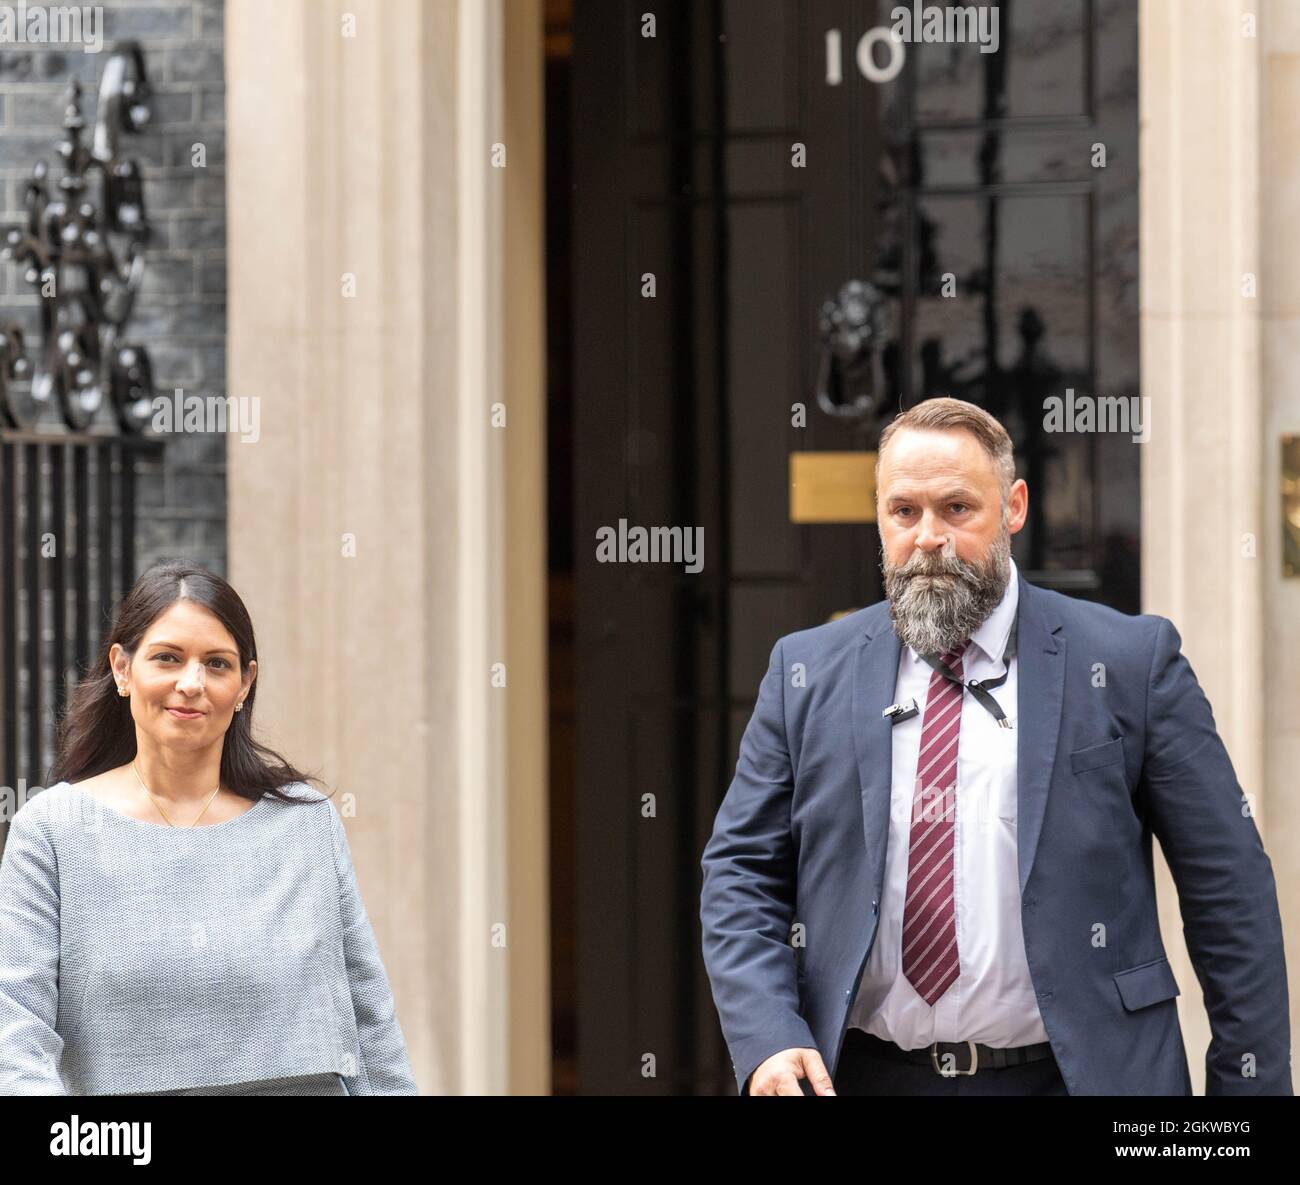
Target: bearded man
(932, 873)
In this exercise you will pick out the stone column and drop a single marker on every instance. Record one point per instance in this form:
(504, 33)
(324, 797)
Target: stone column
(385, 293)
(1209, 521)
(1279, 138)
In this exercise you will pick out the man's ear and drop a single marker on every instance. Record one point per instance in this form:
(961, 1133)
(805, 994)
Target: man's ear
(1017, 505)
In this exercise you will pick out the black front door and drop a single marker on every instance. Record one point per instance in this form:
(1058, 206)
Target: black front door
(787, 227)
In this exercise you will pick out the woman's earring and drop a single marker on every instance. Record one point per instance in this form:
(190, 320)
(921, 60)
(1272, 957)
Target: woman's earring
(239, 707)
(122, 690)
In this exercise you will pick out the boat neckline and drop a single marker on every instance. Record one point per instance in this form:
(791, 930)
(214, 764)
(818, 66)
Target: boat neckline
(102, 805)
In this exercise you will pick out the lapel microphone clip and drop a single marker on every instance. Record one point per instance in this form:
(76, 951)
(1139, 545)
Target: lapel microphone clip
(897, 712)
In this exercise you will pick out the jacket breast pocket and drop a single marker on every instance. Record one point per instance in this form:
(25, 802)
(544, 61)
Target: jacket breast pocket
(1146, 984)
(1097, 755)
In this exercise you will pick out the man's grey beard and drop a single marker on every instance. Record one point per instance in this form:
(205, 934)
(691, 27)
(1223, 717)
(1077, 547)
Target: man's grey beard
(937, 601)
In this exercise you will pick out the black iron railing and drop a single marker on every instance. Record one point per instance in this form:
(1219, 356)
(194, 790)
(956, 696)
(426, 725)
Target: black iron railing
(67, 554)
(75, 396)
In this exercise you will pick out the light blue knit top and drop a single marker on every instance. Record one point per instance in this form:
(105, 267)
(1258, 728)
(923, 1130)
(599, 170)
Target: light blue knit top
(138, 957)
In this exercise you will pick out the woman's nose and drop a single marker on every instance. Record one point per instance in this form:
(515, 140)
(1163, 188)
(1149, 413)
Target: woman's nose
(191, 678)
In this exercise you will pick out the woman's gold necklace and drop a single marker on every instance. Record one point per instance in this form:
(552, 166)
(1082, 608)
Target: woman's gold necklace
(158, 804)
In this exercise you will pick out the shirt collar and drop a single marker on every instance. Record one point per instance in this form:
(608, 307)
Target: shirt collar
(991, 635)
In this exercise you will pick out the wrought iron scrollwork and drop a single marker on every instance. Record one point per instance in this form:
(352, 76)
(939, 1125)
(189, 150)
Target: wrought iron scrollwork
(83, 253)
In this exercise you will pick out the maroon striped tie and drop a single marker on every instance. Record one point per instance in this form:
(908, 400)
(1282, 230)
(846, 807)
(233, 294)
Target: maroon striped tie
(929, 915)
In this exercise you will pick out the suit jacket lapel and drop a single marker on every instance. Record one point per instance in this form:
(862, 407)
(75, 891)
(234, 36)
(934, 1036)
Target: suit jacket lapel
(1040, 688)
(875, 674)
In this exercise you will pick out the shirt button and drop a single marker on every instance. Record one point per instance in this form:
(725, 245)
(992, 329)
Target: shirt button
(875, 907)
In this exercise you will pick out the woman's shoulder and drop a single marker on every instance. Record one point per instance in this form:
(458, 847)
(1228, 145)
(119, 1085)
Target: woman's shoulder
(303, 791)
(98, 790)
(41, 811)
(48, 803)
(304, 803)
(299, 796)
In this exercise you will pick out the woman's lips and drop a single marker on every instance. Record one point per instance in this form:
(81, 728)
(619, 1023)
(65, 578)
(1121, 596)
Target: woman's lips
(181, 714)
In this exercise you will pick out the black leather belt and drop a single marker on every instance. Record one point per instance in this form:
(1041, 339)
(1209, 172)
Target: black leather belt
(957, 1057)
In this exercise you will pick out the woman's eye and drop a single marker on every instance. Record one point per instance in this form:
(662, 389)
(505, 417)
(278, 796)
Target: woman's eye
(221, 662)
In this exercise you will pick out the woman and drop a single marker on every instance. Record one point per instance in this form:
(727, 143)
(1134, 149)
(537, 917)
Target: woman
(179, 912)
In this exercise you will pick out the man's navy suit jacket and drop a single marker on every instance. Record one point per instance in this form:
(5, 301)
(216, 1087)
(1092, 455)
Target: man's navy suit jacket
(1116, 743)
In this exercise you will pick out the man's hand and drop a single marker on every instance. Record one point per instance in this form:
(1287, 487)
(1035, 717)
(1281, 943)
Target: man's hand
(781, 1072)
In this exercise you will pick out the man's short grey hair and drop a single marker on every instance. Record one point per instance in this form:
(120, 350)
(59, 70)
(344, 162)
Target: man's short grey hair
(943, 412)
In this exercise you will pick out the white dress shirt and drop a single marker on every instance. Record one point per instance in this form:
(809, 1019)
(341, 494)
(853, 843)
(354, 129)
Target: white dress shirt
(992, 1000)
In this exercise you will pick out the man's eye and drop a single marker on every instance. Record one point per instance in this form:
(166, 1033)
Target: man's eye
(903, 510)
(961, 504)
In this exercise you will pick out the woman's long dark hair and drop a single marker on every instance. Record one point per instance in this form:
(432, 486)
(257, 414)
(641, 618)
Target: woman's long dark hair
(97, 732)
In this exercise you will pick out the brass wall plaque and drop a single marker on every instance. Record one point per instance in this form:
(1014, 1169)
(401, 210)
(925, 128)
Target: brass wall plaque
(833, 487)
(1291, 506)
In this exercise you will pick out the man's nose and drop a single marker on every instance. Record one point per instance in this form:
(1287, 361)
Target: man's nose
(931, 536)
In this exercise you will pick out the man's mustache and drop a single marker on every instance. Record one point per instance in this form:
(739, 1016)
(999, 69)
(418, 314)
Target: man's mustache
(936, 565)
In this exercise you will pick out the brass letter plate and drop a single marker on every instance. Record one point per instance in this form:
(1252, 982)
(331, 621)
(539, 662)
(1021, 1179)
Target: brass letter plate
(833, 487)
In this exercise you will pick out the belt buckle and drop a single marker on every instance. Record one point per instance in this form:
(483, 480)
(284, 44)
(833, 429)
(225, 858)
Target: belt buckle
(974, 1060)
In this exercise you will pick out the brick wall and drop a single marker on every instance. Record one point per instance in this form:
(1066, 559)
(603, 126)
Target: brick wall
(181, 311)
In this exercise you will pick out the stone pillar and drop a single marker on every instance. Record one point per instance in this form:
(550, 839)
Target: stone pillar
(1209, 521)
(387, 538)
(1279, 138)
